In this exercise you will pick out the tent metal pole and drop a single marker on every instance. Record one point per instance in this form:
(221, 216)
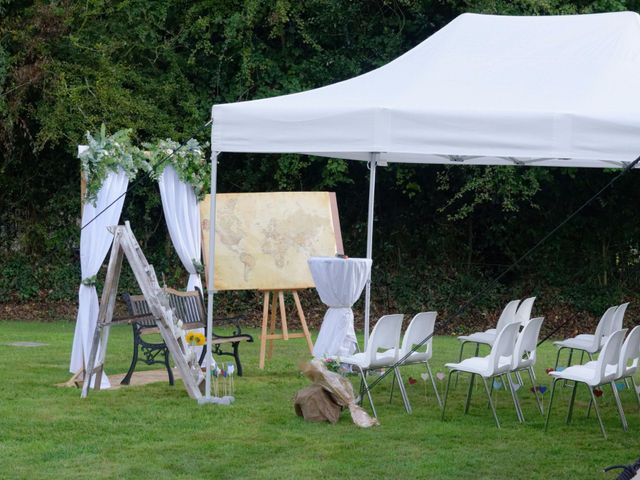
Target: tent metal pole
(373, 160)
(210, 280)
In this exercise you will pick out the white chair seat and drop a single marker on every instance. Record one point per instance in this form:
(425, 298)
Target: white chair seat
(577, 344)
(578, 373)
(415, 357)
(360, 359)
(481, 366)
(486, 338)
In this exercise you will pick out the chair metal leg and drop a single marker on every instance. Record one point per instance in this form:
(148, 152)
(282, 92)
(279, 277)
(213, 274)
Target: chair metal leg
(582, 358)
(446, 394)
(553, 392)
(564, 384)
(571, 402)
(558, 358)
(403, 390)
(514, 396)
(616, 395)
(590, 356)
(493, 409)
(459, 360)
(468, 401)
(433, 384)
(635, 390)
(595, 407)
(519, 378)
(366, 387)
(535, 390)
(393, 384)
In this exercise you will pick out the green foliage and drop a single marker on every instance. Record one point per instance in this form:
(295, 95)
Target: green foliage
(109, 154)
(155, 70)
(188, 160)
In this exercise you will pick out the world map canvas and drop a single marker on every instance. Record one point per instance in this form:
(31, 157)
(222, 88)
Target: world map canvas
(263, 240)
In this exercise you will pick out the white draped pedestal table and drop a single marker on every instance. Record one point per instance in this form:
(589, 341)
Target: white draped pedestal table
(339, 282)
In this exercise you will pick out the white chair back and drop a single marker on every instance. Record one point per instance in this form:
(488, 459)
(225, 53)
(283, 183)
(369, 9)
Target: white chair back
(525, 350)
(508, 315)
(609, 357)
(385, 335)
(618, 318)
(421, 327)
(603, 329)
(503, 347)
(630, 354)
(523, 313)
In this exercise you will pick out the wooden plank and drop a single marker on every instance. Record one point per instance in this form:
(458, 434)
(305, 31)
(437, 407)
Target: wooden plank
(335, 220)
(279, 336)
(145, 275)
(283, 315)
(272, 330)
(109, 301)
(113, 271)
(303, 321)
(263, 337)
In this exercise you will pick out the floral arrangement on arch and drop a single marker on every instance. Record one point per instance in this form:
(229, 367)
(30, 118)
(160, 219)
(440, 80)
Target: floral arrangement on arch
(106, 154)
(188, 161)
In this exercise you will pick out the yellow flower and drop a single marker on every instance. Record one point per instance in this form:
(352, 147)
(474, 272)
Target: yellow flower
(190, 338)
(199, 338)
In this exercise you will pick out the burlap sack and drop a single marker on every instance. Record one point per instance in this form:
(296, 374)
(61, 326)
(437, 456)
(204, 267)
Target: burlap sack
(340, 391)
(316, 405)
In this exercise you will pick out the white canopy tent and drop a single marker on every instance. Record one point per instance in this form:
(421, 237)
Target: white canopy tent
(484, 90)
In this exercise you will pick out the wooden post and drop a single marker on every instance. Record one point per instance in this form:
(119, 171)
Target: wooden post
(278, 304)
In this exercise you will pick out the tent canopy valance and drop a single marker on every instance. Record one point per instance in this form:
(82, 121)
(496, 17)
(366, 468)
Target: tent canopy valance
(484, 90)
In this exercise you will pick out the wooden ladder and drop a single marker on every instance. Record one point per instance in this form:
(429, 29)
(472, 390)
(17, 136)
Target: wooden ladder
(126, 245)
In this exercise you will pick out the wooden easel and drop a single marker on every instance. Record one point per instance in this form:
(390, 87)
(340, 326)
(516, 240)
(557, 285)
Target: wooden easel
(126, 245)
(278, 300)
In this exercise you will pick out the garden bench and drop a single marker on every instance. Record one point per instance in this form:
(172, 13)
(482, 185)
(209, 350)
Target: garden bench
(188, 307)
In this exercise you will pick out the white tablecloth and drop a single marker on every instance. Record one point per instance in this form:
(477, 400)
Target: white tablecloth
(340, 283)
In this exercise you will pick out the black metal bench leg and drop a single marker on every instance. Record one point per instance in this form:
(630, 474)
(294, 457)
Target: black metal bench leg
(168, 365)
(134, 360)
(236, 355)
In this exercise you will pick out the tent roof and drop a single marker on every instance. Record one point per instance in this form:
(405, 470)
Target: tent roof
(489, 90)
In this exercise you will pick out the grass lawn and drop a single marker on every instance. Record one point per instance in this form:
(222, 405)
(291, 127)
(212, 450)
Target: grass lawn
(156, 431)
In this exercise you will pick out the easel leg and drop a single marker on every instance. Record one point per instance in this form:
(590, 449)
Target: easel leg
(272, 329)
(283, 314)
(303, 321)
(265, 320)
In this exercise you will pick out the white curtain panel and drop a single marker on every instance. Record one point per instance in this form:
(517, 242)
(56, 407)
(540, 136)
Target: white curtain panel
(95, 241)
(182, 214)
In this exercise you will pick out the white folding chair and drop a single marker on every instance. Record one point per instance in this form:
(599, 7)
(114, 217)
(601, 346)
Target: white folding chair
(496, 364)
(617, 323)
(601, 372)
(487, 337)
(629, 359)
(384, 336)
(523, 314)
(587, 342)
(420, 327)
(524, 357)
(627, 367)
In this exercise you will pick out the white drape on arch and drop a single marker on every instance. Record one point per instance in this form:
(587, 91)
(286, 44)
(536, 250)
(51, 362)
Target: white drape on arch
(182, 214)
(95, 241)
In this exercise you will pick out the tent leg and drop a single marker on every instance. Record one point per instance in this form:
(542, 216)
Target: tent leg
(372, 191)
(210, 280)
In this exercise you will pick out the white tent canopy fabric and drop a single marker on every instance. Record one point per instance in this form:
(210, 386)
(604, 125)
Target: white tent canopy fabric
(487, 90)
(553, 91)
